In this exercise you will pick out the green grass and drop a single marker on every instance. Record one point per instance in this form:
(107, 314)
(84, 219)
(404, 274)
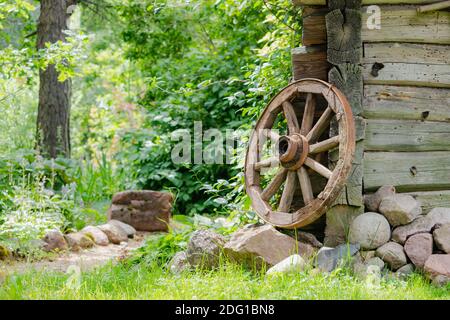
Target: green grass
(230, 282)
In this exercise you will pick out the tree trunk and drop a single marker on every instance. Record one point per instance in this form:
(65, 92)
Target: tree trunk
(53, 131)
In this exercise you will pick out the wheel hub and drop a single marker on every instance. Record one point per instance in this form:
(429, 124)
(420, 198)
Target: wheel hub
(293, 150)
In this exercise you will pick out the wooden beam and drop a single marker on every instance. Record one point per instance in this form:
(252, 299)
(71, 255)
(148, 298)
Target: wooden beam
(407, 135)
(434, 6)
(310, 62)
(407, 171)
(314, 29)
(432, 199)
(406, 103)
(364, 2)
(404, 24)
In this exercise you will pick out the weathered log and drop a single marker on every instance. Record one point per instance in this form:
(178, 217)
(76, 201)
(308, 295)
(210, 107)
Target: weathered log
(310, 62)
(407, 135)
(344, 4)
(435, 6)
(364, 2)
(314, 28)
(407, 171)
(339, 219)
(406, 103)
(404, 24)
(348, 78)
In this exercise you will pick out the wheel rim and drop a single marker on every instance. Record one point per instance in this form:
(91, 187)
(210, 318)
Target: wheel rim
(299, 150)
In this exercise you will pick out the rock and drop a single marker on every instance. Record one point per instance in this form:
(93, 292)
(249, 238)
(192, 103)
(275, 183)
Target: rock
(371, 230)
(78, 240)
(422, 224)
(437, 268)
(36, 244)
(372, 201)
(308, 238)
(393, 254)
(204, 249)
(419, 248)
(115, 235)
(294, 263)
(144, 210)
(441, 237)
(329, 259)
(4, 252)
(366, 255)
(338, 221)
(405, 271)
(55, 241)
(375, 262)
(263, 245)
(98, 236)
(179, 263)
(129, 230)
(400, 209)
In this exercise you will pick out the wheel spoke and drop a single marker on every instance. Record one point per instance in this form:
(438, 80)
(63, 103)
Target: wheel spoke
(273, 161)
(319, 168)
(271, 134)
(291, 117)
(305, 185)
(320, 126)
(324, 145)
(308, 114)
(274, 185)
(288, 192)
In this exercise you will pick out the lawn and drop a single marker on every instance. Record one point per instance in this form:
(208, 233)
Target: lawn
(229, 282)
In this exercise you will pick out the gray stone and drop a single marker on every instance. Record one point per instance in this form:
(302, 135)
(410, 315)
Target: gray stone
(179, 263)
(419, 248)
(294, 263)
(372, 201)
(375, 262)
(98, 236)
(144, 210)
(371, 230)
(129, 230)
(400, 209)
(366, 255)
(115, 235)
(441, 237)
(405, 271)
(422, 224)
(78, 240)
(55, 241)
(204, 249)
(437, 268)
(329, 259)
(393, 254)
(263, 245)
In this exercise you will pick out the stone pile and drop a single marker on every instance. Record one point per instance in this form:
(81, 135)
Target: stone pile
(397, 232)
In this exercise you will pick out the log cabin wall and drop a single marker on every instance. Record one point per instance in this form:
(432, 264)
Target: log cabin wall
(396, 74)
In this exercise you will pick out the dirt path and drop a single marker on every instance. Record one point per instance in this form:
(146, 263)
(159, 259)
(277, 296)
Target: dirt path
(86, 259)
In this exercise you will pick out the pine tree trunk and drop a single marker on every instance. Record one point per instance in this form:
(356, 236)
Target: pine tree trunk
(53, 130)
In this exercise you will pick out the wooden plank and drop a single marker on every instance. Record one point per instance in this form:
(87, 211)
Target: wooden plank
(314, 28)
(405, 24)
(310, 62)
(407, 103)
(407, 135)
(427, 75)
(432, 199)
(407, 171)
(406, 53)
(364, 2)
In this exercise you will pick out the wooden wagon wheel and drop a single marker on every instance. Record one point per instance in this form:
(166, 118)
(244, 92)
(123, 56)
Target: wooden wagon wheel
(299, 154)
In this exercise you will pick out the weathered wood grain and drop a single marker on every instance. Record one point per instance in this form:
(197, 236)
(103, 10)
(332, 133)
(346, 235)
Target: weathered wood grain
(432, 199)
(364, 2)
(314, 28)
(405, 24)
(407, 171)
(407, 135)
(310, 62)
(406, 103)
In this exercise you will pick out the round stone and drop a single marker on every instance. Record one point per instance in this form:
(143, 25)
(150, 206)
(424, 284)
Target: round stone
(371, 230)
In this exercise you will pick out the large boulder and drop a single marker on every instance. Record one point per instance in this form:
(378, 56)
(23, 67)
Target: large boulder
(422, 224)
(204, 249)
(292, 264)
(393, 254)
(55, 241)
(79, 240)
(437, 267)
(441, 237)
(400, 209)
(256, 246)
(97, 235)
(115, 235)
(329, 259)
(419, 248)
(371, 230)
(372, 201)
(144, 210)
